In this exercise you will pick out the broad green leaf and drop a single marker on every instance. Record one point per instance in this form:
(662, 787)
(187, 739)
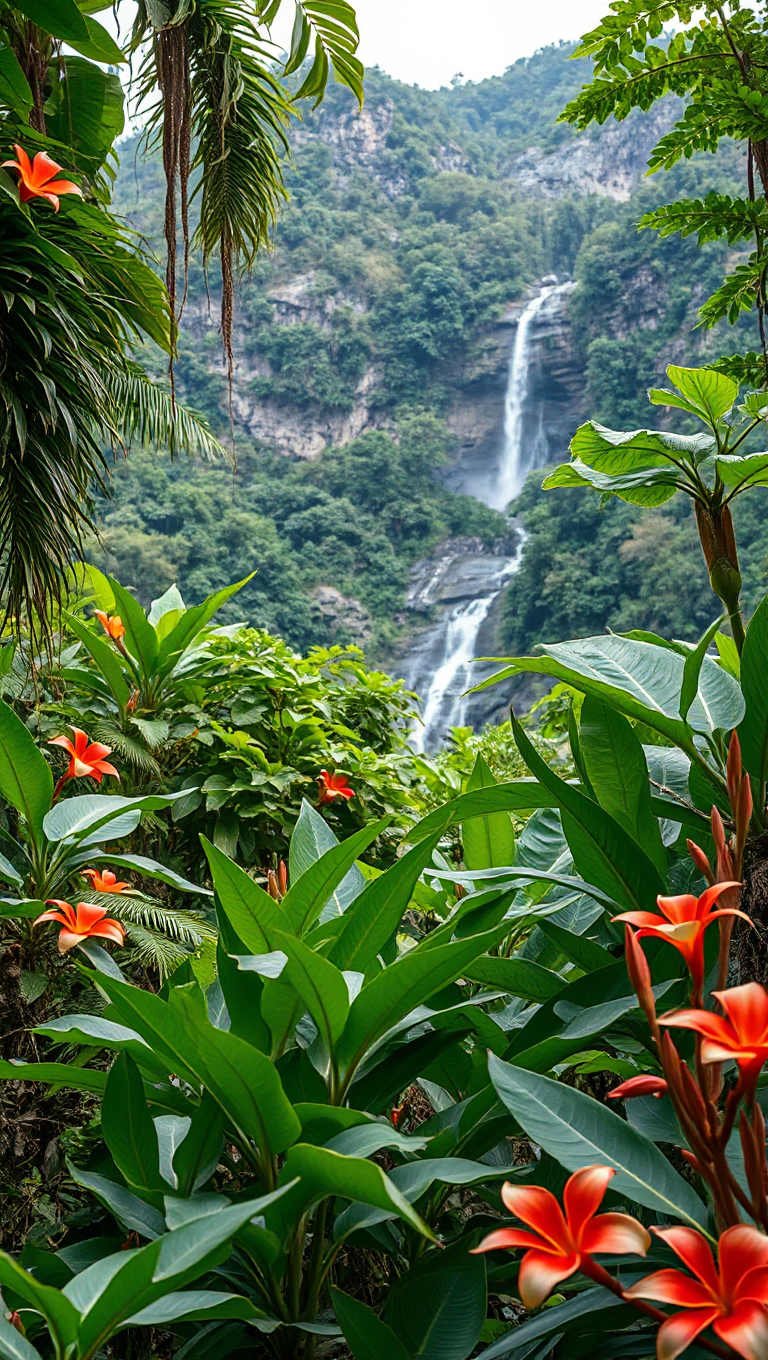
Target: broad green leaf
(99, 45)
(57, 1310)
(321, 986)
(316, 1173)
(614, 452)
(379, 909)
(108, 1294)
(169, 605)
(578, 1131)
(416, 1177)
(254, 916)
(597, 1019)
(128, 1128)
(692, 668)
(365, 1139)
(310, 840)
(743, 470)
(196, 1305)
(618, 774)
(88, 813)
(704, 392)
(152, 869)
(488, 841)
(94, 1031)
(586, 954)
(140, 636)
(14, 1346)
(521, 795)
(9, 874)
(305, 899)
(438, 1307)
(197, 1157)
(392, 994)
(26, 781)
(105, 659)
(753, 730)
(366, 1335)
(192, 623)
(242, 1080)
(132, 1213)
(639, 679)
(649, 487)
(14, 88)
(601, 1309)
(60, 1074)
(380, 1085)
(518, 977)
(242, 993)
(602, 850)
(62, 18)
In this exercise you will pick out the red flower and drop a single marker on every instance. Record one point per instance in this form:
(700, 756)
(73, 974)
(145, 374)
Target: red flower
(731, 1301)
(104, 882)
(741, 1035)
(36, 178)
(645, 1085)
(687, 917)
(112, 624)
(333, 786)
(84, 923)
(87, 757)
(561, 1244)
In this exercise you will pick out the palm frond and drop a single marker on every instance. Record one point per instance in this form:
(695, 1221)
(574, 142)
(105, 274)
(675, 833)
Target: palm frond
(156, 951)
(185, 927)
(148, 414)
(133, 751)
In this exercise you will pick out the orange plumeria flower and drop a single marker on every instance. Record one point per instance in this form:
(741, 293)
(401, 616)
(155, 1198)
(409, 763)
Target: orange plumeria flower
(333, 786)
(112, 624)
(86, 759)
(731, 1300)
(740, 1036)
(85, 922)
(37, 178)
(105, 882)
(562, 1243)
(683, 924)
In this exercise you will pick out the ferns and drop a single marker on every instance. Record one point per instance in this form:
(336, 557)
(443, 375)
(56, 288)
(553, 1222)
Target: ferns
(162, 937)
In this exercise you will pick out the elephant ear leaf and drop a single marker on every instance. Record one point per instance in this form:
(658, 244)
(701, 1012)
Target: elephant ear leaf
(26, 781)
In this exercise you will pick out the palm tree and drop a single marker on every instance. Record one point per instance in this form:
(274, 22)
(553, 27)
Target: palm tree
(76, 291)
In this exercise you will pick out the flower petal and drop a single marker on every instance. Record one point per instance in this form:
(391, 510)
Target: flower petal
(584, 1193)
(615, 1233)
(710, 896)
(68, 939)
(540, 1271)
(538, 1209)
(677, 1333)
(505, 1239)
(108, 930)
(694, 1251)
(742, 1249)
(641, 918)
(62, 741)
(747, 1010)
(672, 1286)
(680, 908)
(745, 1330)
(645, 1085)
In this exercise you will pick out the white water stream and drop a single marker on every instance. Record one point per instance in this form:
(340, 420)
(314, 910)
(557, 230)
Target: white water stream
(447, 652)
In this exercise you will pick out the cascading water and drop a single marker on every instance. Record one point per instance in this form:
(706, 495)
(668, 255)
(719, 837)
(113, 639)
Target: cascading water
(518, 455)
(441, 664)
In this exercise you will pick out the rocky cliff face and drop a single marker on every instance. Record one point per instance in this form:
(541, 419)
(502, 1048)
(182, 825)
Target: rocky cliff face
(555, 404)
(609, 162)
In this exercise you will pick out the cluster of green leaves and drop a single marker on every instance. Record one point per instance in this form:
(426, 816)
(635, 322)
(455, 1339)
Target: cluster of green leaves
(354, 518)
(334, 1000)
(717, 65)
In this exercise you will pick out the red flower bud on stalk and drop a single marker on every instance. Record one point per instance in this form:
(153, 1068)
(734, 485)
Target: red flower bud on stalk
(645, 1085)
(640, 976)
(700, 860)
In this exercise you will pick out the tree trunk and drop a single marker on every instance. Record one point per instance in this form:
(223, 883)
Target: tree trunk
(752, 947)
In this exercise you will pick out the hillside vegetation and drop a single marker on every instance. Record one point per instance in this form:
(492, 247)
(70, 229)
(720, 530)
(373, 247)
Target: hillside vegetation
(405, 240)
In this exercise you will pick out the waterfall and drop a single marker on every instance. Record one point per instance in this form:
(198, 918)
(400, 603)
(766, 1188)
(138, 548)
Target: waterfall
(518, 458)
(440, 665)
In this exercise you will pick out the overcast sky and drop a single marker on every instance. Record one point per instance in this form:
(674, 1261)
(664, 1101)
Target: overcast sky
(426, 42)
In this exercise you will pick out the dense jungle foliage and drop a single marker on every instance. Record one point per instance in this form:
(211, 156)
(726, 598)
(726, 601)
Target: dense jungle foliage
(391, 261)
